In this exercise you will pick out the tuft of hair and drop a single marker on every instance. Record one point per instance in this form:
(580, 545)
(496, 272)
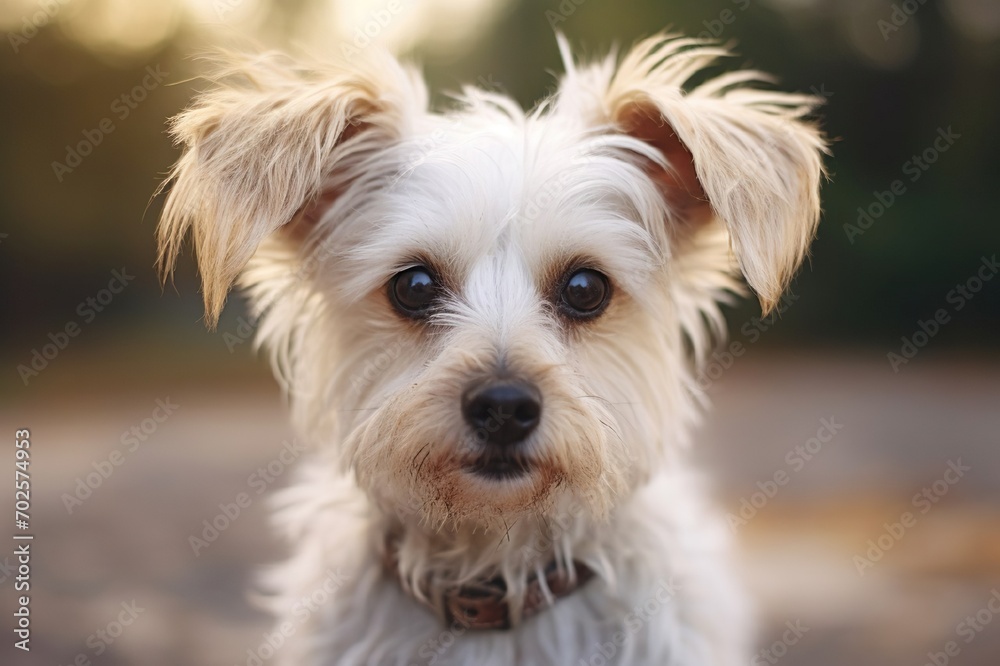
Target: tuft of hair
(757, 158)
(261, 143)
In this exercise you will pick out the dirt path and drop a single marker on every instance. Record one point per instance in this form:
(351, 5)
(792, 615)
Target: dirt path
(821, 455)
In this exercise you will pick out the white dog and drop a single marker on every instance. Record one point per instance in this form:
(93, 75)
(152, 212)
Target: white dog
(489, 324)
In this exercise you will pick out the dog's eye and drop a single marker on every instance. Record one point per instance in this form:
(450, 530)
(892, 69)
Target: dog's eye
(585, 294)
(413, 291)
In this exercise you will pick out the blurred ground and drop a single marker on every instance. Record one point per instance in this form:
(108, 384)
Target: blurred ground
(895, 435)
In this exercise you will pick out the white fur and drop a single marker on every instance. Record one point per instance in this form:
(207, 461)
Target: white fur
(315, 222)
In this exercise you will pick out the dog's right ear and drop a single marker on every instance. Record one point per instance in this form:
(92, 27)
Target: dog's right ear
(262, 147)
(726, 149)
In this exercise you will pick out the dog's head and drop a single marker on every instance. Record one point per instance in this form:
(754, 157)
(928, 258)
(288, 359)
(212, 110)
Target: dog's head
(488, 312)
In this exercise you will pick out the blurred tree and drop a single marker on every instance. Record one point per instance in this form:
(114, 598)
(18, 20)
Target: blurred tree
(888, 95)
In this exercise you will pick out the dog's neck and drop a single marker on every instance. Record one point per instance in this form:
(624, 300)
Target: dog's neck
(487, 579)
(487, 603)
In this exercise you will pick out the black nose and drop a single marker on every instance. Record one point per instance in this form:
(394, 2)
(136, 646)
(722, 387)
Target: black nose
(502, 413)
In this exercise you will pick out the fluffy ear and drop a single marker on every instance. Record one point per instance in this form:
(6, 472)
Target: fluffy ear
(271, 141)
(730, 150)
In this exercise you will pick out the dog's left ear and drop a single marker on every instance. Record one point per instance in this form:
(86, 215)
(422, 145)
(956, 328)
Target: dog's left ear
(272, 141)
(738, 153)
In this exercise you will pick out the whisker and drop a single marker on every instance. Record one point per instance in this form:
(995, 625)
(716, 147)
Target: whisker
(605, 400)
(613, 431)
(421, 465)
(422, 449)
(506, 533)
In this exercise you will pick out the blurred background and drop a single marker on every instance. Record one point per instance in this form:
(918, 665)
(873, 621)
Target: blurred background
(855, 440)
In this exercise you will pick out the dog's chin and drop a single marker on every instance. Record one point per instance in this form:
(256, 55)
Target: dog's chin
(485, 487)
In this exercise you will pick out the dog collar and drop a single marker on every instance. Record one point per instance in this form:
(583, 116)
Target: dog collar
(483, 604)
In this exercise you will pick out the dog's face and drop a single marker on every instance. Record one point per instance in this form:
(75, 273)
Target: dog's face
(510, 277)
(487, 313)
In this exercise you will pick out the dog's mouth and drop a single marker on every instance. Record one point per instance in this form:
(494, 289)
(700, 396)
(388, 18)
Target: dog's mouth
(499, 466)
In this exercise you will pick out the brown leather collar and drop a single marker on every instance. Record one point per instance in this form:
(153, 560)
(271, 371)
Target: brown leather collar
(483, 604)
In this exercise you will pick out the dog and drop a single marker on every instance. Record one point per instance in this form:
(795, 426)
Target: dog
(489, 324)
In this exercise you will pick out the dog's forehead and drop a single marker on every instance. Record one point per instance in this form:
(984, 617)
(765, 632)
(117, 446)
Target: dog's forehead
(472, 189)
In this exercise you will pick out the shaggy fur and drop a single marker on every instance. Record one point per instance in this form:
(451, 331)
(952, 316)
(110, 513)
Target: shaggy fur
(311, 185)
